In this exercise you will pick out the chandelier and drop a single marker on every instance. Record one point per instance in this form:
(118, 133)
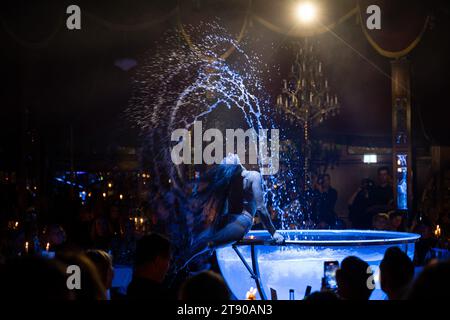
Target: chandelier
(306, 97)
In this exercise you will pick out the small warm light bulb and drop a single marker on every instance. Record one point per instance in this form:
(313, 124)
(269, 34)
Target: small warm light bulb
(306, 12)
(104, 194)
(110, 185)
(121, 197)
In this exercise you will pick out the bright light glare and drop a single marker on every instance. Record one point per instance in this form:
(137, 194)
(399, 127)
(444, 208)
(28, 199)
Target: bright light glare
(306, 12)
(370, 158)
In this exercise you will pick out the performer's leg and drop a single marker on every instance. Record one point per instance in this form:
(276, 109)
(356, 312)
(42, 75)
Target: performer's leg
(232, 232)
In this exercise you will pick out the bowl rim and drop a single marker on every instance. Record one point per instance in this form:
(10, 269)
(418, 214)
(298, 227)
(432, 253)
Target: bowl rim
(262, 237)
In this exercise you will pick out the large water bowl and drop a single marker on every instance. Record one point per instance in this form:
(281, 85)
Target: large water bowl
(256, 262)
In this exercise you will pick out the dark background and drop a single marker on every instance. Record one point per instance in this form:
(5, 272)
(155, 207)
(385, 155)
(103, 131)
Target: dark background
(61, 89)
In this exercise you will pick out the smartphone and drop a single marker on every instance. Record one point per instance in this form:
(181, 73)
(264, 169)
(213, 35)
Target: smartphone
(329, 274)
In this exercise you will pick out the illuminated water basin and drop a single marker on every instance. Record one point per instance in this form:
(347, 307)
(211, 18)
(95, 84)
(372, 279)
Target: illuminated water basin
(299, 263)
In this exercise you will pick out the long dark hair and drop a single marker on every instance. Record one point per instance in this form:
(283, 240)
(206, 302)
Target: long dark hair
(210, 192)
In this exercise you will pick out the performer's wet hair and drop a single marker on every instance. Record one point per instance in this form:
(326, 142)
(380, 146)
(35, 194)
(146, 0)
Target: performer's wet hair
(211, 190)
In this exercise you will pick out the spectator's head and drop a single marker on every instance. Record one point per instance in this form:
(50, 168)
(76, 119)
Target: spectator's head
(153, 255)
(383, 176)
(56, 235)
(353, 279)
(32, 277)
(396, 272)
(395, 220)
(205, 286)
(103, 263)
(380, 221)
(91, 284)
(325, 181)
(424, 229)
(101, 228)
(432, 284)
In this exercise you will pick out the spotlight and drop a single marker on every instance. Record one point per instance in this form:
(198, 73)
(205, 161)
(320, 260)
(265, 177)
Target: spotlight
(306, 12)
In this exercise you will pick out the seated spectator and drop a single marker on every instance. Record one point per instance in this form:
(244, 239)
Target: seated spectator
(396, 221)
(101, 233)
(91, 284)
(103, 263)
(426, 242)
(153, 255)
(32, 277)
(396, 273)
(380, 222)
(432, 284)
(353, 279)
(56, 237)
(205, 286)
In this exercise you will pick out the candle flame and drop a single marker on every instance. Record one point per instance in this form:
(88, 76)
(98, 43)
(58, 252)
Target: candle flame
(437, 232)
(251, 294)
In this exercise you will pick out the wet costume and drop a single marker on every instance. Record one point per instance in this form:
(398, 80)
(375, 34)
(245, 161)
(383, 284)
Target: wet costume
(242, 198)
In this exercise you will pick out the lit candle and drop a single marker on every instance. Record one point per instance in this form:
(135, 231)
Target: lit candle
(121, 197)
(251, 294)
(47, 247)
(437, 232)
(26, 247)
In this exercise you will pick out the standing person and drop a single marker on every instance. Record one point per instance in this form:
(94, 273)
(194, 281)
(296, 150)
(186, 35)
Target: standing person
(358, 204)
(383, 194)
(326, 201)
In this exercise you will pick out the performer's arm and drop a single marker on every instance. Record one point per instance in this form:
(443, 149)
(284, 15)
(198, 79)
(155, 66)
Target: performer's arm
(258, 193)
